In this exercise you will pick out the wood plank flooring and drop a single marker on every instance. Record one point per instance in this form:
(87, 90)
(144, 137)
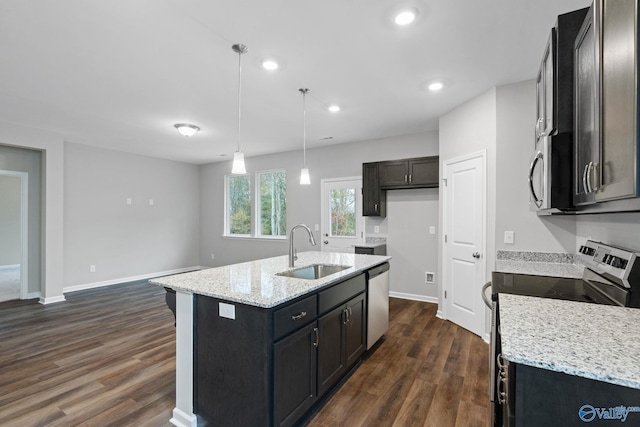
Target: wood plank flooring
(106, 357)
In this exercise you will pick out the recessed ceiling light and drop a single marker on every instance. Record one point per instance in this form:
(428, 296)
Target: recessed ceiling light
(334, 108)
(269, 64)
(435, 86)
(406, 17)
(187, 129)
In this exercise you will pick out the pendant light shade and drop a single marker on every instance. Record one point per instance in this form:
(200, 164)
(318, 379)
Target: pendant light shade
(305, 179)
(238, 164)
(238, 157)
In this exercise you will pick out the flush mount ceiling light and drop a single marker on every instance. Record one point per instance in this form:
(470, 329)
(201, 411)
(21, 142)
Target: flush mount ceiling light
(435, 86)
(186, 129)
(269, 64)
(406, 17)
(238, 167)
(334, 108)
(304, 173)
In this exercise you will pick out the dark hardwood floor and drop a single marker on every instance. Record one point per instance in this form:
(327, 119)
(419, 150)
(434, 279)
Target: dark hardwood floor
(106, 357)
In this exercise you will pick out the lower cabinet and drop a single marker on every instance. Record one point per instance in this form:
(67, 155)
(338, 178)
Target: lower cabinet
(294, 375)
(270, 367)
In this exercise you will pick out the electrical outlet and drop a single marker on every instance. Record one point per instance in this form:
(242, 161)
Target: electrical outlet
(376, 228)
(92, 269)
(509, 237)
(213, 256)
(150, 202)
(429, 277)
(317, 227)
(227, 310)
(432, 229)
(129, 201)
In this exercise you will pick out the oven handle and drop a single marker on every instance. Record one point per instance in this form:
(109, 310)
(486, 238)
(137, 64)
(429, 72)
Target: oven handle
(486, 300)
(537, 201)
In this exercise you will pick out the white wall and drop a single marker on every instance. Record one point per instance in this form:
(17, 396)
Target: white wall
(515, 117)
(414, 250)
(51, 149)
(621, 229)
(127, 241)
(303, 202)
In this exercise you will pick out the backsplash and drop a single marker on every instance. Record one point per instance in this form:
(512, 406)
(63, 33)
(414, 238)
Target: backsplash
(555, 257)
(375, 240)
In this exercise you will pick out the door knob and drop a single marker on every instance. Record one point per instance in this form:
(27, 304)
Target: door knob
(476, 255)
(326, 242)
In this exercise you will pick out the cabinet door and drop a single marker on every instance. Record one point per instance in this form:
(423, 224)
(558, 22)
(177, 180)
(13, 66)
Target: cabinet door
(424, 172)
(587, 119)
(355, 333)
(393, 173)
(372, 197)
(294, 373)
(331, 354)
(619, 103)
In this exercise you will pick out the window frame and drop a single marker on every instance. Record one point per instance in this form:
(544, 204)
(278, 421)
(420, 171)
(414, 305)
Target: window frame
(227, 195)
(257, 231)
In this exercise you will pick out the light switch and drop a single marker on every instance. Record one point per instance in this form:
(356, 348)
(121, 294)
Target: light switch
(150, 202)
(129, 201)
(432, 229)
(317, 227)
(376, 228)
(509, 237)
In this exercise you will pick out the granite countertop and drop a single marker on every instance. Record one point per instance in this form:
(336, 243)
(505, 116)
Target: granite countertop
(370, 245)
(595, 341)
(255, 282)
(538, 268)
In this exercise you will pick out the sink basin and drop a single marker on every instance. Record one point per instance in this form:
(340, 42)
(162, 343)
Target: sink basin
(315, 271)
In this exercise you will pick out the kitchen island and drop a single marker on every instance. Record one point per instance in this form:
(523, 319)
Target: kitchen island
(257, 348)
(569, 362)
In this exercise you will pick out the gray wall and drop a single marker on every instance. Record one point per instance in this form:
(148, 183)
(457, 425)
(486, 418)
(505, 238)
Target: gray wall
(622, 229)
(303, 202)
(29, 161)
(125, 241)
(10, 201)
(414, 250)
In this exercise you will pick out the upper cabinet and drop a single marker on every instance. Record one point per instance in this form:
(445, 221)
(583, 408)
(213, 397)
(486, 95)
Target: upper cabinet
(606, 125)
(409, 173)
(377, 177)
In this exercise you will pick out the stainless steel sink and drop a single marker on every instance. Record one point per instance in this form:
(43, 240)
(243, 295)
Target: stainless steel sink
(314, 271)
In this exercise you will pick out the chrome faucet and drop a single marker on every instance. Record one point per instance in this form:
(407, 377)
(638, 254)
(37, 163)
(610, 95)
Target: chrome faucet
(293, 254)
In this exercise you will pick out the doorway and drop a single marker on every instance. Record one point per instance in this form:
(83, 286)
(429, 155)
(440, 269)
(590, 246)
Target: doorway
(464, 213)
(341, 218)
(14, 231)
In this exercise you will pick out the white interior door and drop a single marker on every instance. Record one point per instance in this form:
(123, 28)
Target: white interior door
(464, 246)
(341, 217)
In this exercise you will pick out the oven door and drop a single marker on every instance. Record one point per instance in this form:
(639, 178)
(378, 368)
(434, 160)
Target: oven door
(539, 176)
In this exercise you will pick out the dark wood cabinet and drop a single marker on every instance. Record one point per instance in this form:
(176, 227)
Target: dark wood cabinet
(374, 201)
(342, 341)
(294, 375)
(271, 366)
(378, 177)
(409, 173)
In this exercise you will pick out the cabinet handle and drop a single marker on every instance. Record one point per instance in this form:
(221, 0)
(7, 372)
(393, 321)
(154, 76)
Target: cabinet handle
(349, 314)
(375, 207)
(405, 178)
(596, 182)
(299, 315)
(316, 339)
(409, 178)
(584, 178)
(344, 316)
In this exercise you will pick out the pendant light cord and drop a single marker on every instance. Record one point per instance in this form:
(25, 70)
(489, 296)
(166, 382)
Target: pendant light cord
(239, 94)
(304, 128)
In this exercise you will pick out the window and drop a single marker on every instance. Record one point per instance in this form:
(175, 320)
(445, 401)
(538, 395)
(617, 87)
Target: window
(343, 212)
(270, 205)
(238, 213)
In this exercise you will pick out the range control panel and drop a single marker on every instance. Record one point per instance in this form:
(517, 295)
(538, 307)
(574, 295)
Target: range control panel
(617, 264)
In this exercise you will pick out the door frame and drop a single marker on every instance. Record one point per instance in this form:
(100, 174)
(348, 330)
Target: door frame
(24, 229)
(323, 206)
(446, 274)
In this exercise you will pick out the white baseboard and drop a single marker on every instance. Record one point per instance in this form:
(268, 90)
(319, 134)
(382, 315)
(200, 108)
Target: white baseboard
(51, 300)
(487, 338)
(413, 297)
(127, 279)
(33, 295)
(440, 315)
(182, 419)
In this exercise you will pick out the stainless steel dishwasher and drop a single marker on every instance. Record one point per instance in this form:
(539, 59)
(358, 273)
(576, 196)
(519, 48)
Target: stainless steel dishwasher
(378, 303)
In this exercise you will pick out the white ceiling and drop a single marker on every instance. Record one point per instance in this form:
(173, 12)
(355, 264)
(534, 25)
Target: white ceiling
(120, 73)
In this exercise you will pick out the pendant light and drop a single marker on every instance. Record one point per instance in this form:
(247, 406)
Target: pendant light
(238, 157)
(304, 173)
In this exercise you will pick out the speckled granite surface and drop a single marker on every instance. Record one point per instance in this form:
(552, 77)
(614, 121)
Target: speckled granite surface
(255, 282)
(539, 264)
(596, 341)
(373, 241)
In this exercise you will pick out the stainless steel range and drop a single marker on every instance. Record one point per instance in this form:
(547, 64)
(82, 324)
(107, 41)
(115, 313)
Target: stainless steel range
(611, 276)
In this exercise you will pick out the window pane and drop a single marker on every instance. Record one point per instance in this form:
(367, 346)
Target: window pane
(343, 212)
(239, 203)
(273, 203)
